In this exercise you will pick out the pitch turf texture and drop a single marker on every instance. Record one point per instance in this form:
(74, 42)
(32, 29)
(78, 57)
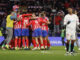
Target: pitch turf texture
(55, 53)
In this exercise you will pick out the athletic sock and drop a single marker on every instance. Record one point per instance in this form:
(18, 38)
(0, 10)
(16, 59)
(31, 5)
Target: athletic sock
(16, 39)
(38, 45)
(19, 44)
(34, 43)
(41, 45)
(45, 43)
(23, 42)
(27, 43)
(67, 47)
(48, 44)
(12, 44)
(72, 46)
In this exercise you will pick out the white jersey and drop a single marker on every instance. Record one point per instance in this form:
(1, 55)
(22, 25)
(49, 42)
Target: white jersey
(71, 28)
(74, 21)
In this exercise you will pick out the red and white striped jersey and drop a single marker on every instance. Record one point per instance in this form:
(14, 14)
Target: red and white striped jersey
(35, 24)
(44, 25)
(25, 22)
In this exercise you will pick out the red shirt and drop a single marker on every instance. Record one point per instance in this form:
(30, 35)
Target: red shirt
(17, 24)
(44, 25)
(25, 22)
(57, 20)
(35, 24)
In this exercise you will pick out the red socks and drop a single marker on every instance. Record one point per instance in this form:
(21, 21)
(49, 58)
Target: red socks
(34, 43)
(19, 44)
(37, 45)
(16, 40)
(27, 42)
(23, 42)
(41, 44)
(45, 43)
(12, 43)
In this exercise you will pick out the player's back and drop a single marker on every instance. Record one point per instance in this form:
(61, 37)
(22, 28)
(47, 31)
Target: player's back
(35, 24)
(25, 22)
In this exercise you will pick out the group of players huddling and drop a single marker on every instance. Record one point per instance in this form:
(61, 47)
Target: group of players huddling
(23, 24)
(22, 27)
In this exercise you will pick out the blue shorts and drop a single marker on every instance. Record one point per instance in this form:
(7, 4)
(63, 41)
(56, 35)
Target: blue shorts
(17, 32)
(25, 32)
(44, 33)
(37, 32)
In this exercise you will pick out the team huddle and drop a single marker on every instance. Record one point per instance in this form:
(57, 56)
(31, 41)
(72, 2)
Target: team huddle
(39, 27)
(29, 25)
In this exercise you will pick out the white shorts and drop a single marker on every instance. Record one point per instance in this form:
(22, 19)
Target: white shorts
(70, 35)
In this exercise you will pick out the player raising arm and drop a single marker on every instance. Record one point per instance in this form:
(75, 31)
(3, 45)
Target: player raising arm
(25, 31)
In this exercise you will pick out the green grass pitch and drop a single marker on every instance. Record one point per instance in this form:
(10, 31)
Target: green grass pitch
(55, 53)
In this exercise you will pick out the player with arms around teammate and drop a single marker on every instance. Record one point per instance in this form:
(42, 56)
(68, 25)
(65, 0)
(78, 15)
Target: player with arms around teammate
(35, 24)
(25, 31)
(44, 27)
(47, 29)
(70, 21)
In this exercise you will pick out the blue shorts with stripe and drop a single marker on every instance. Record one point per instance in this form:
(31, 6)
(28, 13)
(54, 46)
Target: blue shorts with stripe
(17, 32)
(37, 32)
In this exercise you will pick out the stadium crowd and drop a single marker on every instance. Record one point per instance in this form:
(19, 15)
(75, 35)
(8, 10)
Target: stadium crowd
(54, 10)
